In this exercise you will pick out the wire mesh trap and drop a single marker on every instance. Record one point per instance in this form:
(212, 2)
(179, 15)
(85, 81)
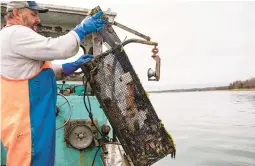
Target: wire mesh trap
(126, 105)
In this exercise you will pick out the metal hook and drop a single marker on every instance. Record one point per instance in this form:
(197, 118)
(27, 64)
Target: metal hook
(155, 73)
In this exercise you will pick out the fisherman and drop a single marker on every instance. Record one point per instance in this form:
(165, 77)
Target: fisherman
(28, 81)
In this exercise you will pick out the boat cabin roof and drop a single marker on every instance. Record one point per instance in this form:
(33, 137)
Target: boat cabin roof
(59, 19)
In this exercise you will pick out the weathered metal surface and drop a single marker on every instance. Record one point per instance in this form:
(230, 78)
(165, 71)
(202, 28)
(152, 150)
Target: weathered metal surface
(67, 155)
(131, 30)
(97, 44)
(80, 133)
(114, 155)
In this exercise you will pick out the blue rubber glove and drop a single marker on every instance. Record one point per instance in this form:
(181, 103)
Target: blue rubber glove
(69, 68)
(90, 24)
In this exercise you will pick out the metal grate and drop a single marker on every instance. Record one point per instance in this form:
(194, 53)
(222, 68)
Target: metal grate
(127, 106)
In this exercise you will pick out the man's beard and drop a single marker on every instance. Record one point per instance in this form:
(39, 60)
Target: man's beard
(27, 23)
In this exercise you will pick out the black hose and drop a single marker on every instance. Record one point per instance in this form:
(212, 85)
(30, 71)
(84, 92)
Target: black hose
(89, 110)
(94, 159)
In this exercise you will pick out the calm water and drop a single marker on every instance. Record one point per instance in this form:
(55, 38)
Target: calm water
(209, 128)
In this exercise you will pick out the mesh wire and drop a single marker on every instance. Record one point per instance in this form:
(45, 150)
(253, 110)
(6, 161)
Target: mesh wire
(127, 106)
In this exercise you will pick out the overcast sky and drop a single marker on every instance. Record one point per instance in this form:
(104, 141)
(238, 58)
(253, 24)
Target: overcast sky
(201, 43)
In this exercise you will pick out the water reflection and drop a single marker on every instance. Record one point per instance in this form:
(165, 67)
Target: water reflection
(209, 128)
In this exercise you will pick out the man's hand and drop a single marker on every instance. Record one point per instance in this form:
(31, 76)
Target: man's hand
(90, 24)
(69, 68)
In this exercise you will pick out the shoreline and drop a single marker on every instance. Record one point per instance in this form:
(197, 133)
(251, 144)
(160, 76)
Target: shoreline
(252, 89)
(199, 90)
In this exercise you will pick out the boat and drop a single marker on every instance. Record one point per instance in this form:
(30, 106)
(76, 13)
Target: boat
(97, 123)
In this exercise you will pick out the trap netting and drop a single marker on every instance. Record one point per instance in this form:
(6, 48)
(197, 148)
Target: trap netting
(127, 106)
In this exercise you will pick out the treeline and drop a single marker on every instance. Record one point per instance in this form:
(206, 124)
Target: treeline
(247, 84)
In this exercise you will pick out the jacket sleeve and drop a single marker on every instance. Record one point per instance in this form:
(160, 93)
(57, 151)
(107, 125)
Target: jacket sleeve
(29, 44)
(58, 70)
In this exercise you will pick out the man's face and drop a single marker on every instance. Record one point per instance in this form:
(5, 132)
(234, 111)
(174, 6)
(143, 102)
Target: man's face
(30, 18)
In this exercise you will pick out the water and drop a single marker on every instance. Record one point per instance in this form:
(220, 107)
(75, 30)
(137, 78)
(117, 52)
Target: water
(209, 128)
